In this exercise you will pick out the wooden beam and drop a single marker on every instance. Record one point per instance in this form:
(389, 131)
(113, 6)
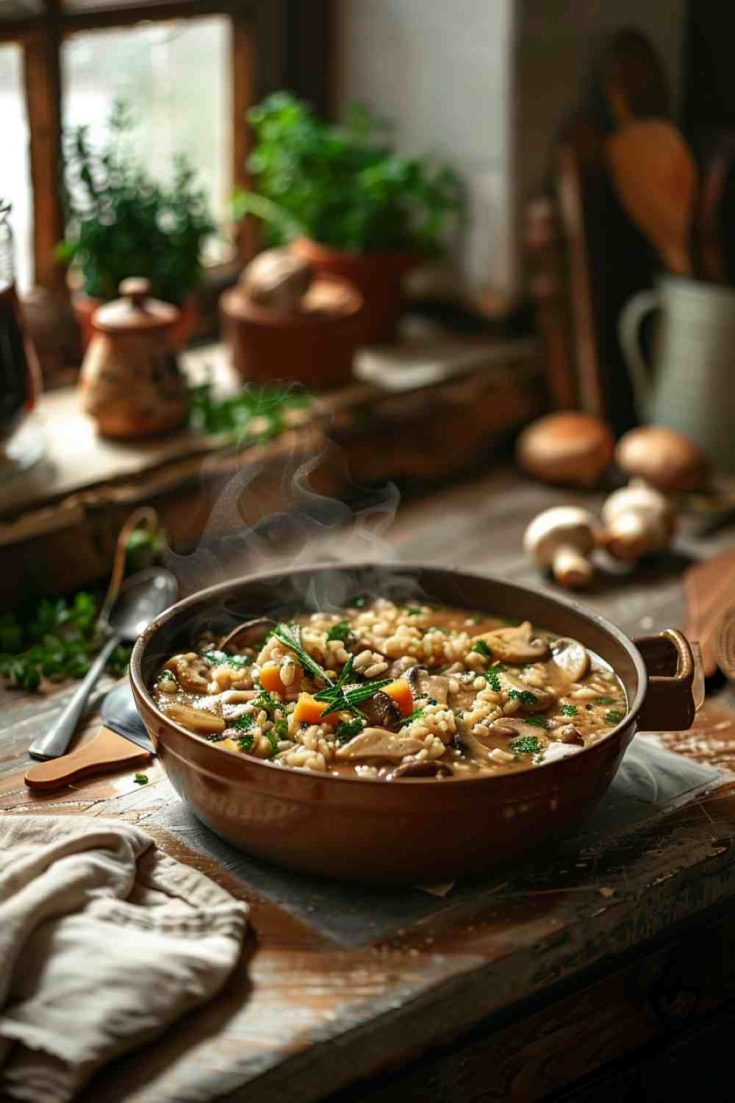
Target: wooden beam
(243, 96)
(151, 10)
(42, 75)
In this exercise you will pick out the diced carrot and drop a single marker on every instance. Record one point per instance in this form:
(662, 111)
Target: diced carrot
(270, 678)
(309, 711)
(400, 692)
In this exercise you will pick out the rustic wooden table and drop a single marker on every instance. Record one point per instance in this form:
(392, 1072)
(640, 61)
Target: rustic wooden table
(512, 988)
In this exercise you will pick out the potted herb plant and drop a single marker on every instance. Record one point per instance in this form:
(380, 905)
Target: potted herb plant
(347, 201)
(121, 223)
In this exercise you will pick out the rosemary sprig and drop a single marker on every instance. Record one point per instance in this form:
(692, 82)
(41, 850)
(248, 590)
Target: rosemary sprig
(341, 696)
(290, 637)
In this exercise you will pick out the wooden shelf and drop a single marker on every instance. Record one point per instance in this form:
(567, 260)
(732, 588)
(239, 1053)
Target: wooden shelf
(59, 522)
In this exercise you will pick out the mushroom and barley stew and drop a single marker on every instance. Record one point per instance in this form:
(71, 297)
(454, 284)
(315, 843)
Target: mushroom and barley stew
(383, 690)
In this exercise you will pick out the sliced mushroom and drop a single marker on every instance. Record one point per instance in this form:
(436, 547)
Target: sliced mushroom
(406, 667)
(192, 671)
(530, 698)
(424, 684)
(511, 728)
(569, 734)
(382, 711)
(196, 719)
(518, 644)
(571, 658)
(556, 750)
(424, 768)
(379, 743)
(248, 633)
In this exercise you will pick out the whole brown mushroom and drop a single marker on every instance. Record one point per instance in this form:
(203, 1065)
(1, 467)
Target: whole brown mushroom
(569, 449)
(278, 280)
(661, 457)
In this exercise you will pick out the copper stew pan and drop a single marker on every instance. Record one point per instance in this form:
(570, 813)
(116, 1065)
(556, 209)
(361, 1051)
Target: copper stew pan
(418, 829)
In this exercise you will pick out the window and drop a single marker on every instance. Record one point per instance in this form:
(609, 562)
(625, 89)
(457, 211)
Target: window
(176, 77)
(15, 180)
(192, 67)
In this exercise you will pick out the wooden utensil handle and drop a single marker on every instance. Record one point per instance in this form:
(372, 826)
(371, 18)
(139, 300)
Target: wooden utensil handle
(104, 753)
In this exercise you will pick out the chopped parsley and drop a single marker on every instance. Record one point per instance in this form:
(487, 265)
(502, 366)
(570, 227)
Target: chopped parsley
(613, 716)
(223, 658)
(538, 721)
(245, 742)
(523, 695)
(265, 701)
(415, 715)
(339, 631)
(346, 729)
(606, 701)
(491, 676)
(569, 710)
(281, 728)
(525, 744)
(141, 779)
(482, 649)
(414, 610)
(243, 723)
(272, 738)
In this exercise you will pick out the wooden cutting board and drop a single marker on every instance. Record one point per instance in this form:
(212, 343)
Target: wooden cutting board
(709, 590)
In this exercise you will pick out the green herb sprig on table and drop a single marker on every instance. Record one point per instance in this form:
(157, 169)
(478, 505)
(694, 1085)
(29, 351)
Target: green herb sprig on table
(53, 639)
(254, 415)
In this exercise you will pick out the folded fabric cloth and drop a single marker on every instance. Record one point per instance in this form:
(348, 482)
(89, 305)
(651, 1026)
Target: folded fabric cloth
(104, 942)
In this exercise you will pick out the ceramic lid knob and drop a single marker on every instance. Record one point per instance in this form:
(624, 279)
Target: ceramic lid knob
(136, 289)
(136, 311)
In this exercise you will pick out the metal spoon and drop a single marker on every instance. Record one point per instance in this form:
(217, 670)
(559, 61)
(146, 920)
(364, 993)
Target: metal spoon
(140, 600)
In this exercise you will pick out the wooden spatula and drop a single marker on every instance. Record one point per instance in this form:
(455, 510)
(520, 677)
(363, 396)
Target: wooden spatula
(708, 589)
(107, 751)
(655, 178)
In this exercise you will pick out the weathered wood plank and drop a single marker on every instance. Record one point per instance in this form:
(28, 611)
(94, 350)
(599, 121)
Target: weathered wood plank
(304, 1016)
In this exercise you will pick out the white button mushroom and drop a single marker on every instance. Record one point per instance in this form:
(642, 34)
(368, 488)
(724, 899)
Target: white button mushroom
(561, 538)
(638, 519)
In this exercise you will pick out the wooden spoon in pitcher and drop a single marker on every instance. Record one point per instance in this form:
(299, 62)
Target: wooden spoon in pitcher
(655, 178)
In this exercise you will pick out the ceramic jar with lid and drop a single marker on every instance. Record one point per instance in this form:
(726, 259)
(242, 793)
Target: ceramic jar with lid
(130, 380)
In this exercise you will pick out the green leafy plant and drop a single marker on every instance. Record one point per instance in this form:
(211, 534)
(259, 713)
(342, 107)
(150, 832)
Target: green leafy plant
(343, 185)
(52, 639)
(122, 223)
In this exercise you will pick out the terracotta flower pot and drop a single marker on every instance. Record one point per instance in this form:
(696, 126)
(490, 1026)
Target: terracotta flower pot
(378, 276)
(85, 306)
(314, 345)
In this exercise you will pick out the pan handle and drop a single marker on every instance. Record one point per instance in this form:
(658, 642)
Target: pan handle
(675, 681)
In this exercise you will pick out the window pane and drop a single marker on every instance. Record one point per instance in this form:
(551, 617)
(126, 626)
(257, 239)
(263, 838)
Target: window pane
(15, 179)
(176, 78)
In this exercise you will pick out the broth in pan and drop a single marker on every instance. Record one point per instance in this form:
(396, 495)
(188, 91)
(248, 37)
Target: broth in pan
(389, 691)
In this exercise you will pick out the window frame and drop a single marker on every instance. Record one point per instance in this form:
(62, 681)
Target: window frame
(262, 59)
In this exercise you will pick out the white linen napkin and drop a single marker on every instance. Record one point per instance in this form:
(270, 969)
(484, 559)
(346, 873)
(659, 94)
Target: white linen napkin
(104, 941)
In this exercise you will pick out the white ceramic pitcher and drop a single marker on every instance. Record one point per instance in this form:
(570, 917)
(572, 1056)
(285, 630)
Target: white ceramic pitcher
(690, 384)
